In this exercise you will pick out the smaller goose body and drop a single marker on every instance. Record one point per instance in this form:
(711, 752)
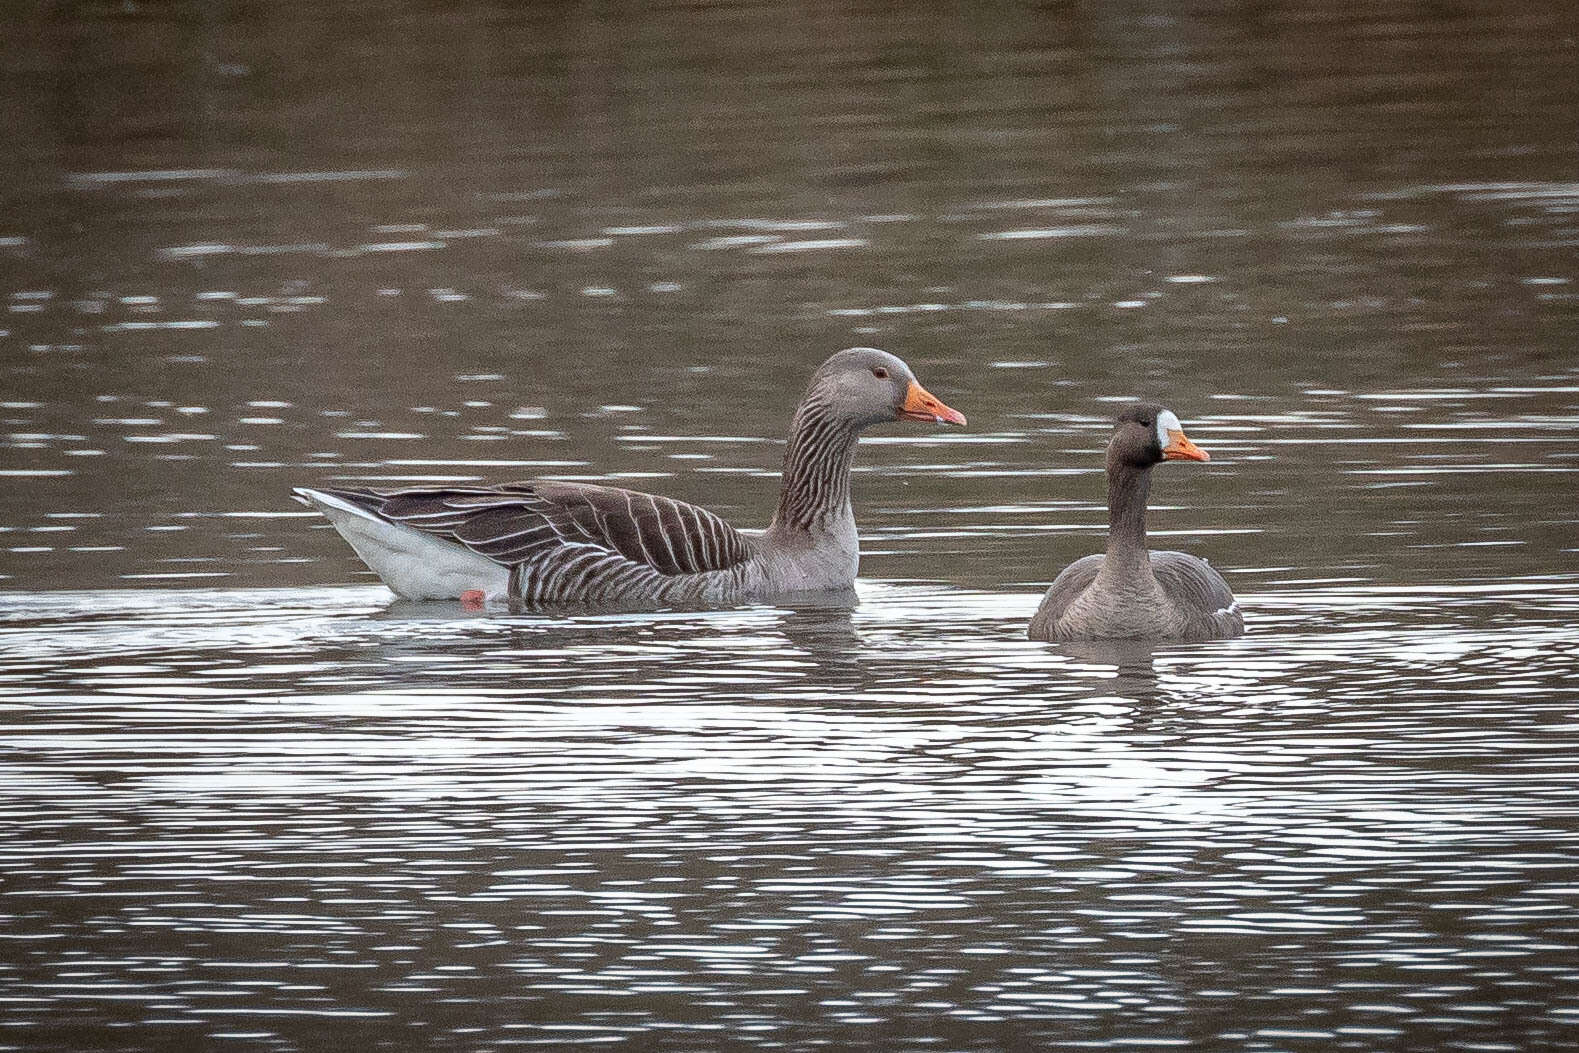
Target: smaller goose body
(552, 542)
(1129, 592)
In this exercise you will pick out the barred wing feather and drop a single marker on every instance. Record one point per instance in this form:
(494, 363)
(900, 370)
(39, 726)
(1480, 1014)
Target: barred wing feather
(516, 522)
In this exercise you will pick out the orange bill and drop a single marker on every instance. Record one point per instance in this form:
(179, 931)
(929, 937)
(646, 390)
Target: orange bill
(1180, 448)
(920, 405)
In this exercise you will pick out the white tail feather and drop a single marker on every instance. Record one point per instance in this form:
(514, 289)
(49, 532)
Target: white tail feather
(415, 566)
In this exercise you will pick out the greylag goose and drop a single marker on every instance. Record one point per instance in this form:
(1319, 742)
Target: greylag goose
(548, 542)
(1129, 592)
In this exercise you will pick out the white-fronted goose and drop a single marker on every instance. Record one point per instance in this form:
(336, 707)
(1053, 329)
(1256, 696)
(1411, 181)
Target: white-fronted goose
(1129, 593)
(546, 542)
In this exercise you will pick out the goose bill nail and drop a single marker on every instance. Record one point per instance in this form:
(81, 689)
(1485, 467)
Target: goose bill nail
(1180, 448)
(920, 405)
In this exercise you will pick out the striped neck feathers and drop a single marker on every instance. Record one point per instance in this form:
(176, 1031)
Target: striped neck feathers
(815, 495)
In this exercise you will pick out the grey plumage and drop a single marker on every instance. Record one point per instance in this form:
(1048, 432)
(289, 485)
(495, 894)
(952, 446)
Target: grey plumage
(574, 542)
(1129, 592)
(1201, 603)
(552, 542)
(512, 523)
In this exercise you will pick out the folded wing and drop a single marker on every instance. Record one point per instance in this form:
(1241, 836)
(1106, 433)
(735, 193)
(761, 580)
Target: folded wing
(1193, 586)
(1070, 583)
(526, 522)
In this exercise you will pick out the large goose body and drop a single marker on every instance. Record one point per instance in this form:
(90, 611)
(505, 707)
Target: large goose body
(1176, 596)
(1130, 592)
(552, 542)
(549, 542)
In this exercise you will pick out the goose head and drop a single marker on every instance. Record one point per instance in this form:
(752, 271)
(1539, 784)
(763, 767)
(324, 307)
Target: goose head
(865, 386)
(1147, 434)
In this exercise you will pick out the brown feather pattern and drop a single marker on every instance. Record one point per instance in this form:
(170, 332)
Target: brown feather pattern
(519, 522)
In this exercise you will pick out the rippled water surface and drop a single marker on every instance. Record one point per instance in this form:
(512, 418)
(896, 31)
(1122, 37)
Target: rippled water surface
(250, 803)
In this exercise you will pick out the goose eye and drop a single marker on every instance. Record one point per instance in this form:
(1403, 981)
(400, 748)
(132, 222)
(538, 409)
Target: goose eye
(879, 372)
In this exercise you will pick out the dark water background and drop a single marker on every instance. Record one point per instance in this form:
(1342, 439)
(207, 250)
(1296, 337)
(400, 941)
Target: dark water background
(248, 804)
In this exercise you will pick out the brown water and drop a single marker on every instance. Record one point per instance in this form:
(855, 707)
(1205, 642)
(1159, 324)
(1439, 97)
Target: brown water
(251, 804)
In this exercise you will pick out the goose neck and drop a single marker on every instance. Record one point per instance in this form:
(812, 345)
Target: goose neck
(1127, 489)
(815, 494)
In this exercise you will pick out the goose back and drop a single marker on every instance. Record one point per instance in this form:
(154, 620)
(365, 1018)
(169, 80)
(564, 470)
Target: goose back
(1199, 594)
(576, 542)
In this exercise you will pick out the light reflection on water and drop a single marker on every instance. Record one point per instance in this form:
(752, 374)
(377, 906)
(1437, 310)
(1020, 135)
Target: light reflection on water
(244, 251)
(280, 808)
(1350, 481)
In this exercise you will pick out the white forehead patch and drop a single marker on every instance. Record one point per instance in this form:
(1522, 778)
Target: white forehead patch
(1166, 422)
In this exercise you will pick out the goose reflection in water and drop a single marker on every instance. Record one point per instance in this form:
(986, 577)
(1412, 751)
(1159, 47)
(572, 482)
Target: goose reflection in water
(1134, 671)
(768, 641)
(822, 628)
